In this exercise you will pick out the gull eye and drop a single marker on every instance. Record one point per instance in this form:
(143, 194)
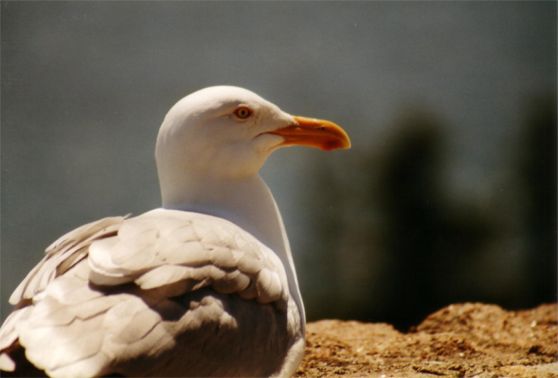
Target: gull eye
(243, 112)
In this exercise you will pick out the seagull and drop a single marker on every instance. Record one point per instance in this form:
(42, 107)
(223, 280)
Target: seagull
(205, 285)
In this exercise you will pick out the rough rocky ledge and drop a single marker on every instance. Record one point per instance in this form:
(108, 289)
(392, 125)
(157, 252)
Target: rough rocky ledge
(461, 340)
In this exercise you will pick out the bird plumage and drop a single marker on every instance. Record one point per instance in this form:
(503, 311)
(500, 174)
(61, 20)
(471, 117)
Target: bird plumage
(204, 286)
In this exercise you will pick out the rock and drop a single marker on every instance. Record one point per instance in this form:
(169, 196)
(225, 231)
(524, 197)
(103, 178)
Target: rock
(461, 340)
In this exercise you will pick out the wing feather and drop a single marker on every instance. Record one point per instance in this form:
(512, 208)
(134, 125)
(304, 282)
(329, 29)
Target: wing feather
(111, 296)
(58, 252)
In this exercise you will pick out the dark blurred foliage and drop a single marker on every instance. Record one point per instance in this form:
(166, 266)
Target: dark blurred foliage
(536, 182)
(423, 232)
(410, 246)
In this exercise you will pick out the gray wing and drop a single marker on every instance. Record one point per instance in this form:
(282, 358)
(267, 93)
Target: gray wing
(136, 293)
(61, 255)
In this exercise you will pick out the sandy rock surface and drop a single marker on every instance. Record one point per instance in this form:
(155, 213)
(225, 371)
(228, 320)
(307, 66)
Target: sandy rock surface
(462, 340)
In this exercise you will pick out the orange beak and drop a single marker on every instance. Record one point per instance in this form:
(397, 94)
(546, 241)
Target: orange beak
(311, 132)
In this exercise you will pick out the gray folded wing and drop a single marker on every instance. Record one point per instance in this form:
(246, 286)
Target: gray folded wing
(61, 255)
(127, 295)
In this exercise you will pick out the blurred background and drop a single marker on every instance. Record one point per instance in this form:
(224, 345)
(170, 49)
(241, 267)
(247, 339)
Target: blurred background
(448, 194)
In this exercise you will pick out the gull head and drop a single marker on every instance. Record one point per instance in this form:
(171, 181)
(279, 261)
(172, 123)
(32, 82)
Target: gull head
(227, 132)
